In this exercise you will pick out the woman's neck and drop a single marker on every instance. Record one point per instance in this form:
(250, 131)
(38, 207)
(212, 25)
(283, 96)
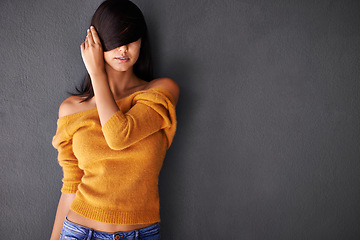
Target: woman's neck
(121, 82)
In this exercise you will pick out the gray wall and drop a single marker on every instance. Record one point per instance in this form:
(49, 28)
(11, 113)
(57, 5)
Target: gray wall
(267, 145)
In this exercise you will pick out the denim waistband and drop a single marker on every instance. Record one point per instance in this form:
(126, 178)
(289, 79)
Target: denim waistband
(82, 230)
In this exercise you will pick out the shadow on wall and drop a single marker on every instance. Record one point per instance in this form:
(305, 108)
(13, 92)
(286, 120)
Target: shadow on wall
(173, 175)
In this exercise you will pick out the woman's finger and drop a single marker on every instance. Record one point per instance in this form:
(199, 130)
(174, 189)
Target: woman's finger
(86, 42)
(90, 37)
(82, 47)
(95, 36)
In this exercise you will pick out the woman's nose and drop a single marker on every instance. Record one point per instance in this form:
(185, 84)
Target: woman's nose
(123, 48)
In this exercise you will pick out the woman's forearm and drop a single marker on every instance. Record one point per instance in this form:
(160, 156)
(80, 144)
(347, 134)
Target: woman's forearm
(93, 57)
(63, 208)
(105, 102)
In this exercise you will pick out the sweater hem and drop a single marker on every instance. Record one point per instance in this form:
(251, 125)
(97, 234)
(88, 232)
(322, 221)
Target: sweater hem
(69, 188)
(114, 216)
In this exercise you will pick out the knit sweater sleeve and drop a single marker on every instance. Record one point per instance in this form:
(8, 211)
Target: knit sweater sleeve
(72, 174)
(151, 112)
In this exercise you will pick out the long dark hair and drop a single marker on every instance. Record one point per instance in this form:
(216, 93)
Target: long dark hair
(120, 22)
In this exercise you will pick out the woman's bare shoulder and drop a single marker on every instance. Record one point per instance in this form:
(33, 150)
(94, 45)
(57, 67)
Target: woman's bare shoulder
(169, 84)
(72, 105)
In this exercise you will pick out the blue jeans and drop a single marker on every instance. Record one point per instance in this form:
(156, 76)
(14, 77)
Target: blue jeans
(73, 231)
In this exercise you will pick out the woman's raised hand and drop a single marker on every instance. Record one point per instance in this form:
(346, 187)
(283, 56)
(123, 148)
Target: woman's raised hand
(92, 53)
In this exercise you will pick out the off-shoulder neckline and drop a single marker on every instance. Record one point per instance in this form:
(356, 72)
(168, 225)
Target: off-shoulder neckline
(118, 100)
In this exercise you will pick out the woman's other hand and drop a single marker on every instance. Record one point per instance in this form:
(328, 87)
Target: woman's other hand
(92, 53)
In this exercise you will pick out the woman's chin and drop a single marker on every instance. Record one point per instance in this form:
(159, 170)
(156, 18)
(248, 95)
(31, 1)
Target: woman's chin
(121, 68)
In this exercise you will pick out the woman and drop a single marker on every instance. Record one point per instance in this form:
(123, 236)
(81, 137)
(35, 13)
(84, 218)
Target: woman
(113, 135)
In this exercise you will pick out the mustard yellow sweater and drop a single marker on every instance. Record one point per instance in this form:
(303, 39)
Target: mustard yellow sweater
(114, 169)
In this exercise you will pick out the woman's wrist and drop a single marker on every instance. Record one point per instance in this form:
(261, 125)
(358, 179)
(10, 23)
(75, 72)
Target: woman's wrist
(98, 75)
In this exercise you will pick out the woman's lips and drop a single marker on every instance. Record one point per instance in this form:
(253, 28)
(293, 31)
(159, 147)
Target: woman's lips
(122, 59)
